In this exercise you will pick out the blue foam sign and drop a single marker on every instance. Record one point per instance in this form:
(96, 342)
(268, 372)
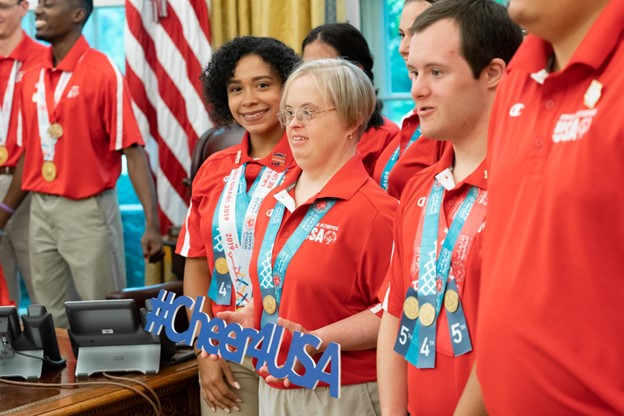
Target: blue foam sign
(233, 342)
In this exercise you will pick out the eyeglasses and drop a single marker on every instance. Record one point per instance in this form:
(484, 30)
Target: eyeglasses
(4, 6)
(304, 115)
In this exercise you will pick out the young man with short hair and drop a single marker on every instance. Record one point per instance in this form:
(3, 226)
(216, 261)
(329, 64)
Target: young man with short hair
(457, 59)
(78, 122)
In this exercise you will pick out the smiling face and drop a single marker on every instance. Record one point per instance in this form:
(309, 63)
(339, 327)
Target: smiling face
(324, 143)
(410, 12)
(451, 103)
(55, 19)
(254, 96)
(11, 14)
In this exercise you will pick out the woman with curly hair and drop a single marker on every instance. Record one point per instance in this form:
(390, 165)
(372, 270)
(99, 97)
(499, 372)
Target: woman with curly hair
(242, 83)
(342, 40)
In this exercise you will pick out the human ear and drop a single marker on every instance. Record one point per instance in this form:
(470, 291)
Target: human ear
(494, 72)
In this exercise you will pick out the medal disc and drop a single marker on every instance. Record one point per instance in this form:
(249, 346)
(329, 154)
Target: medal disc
(426, 314)
(48, 171)
(410, 308)
(4, 155)
(451, 301)
(269, 304)
(55, 130)
(221, 265)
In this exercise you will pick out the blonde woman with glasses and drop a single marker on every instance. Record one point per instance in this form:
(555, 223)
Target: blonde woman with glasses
(324, 239)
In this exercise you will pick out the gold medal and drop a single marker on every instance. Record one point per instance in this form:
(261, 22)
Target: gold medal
(4, 155)
(451, 301)
(426, 314)
(269, 304)
(55, 130)
(410, 308)
(48, 171)
(221, 265)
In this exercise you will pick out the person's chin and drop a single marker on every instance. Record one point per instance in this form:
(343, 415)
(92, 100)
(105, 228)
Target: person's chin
(42, 36)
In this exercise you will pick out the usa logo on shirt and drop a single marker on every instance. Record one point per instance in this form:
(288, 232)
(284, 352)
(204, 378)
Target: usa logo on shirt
(572, 127)
(324, 234)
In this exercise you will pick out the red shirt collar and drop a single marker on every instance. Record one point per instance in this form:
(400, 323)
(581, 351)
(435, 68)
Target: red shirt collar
(280, 157)
(477, 178)
(343, 185)
(70, 61)
(595, 48)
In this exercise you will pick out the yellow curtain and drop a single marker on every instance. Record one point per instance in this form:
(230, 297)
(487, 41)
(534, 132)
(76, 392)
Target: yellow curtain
(286, 20)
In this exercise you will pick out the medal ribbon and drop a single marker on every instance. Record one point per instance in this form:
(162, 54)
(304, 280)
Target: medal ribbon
(385, 175)
(272, 276)
(43, 116)
(7, 104)
(232, 229)
(421, 331)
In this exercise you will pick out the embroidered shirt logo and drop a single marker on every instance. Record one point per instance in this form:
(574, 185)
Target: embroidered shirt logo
(278, 159)
(516, 110)
(73, 92)
(324, 233)
(572, 127)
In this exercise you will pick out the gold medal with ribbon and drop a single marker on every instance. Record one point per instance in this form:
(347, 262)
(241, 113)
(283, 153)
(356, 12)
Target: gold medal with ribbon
(427, 314)
(410, 308)
(55, 131)
(48, 171)
(4, 155)
(269, 304)
(451, 301)
(221, 265)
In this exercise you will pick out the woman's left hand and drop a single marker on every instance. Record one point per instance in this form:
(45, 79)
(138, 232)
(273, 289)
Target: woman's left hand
(291, 327)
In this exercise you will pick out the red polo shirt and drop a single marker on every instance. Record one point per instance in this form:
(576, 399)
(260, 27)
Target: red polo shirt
(97, 119)
(30, 54)
(550, 331)
(196, 238)
(337, 271)
(374, 141)
(421, 154)
(435, 391)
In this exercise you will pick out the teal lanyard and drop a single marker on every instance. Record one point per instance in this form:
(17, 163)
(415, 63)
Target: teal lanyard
(385, 175)
(272, 276)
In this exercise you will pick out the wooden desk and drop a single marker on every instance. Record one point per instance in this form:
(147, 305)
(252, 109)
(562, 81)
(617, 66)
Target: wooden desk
(176, 385)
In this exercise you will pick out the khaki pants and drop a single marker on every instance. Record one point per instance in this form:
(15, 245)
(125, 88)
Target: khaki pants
(14, 256)
(248, 379)
(355, 399)
(76, 250)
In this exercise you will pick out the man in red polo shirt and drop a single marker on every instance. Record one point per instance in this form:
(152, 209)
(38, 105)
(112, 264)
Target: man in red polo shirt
(77, 123)
(457, 59)
(18, 53)
(550, 328)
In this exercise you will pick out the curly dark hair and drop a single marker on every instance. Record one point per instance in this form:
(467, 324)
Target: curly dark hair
(351, 45)
(216, 75)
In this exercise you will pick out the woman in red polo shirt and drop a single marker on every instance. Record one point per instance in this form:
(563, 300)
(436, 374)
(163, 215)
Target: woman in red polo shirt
(400, 160)
(242, 83)
(324, 239)
(342, 40)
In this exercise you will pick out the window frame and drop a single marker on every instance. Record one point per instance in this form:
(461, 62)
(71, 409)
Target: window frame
(374, 23)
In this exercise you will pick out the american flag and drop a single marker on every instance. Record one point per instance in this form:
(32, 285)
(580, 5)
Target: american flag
(167, 43)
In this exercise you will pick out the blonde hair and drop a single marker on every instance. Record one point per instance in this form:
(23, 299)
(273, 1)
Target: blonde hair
(341, 84)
